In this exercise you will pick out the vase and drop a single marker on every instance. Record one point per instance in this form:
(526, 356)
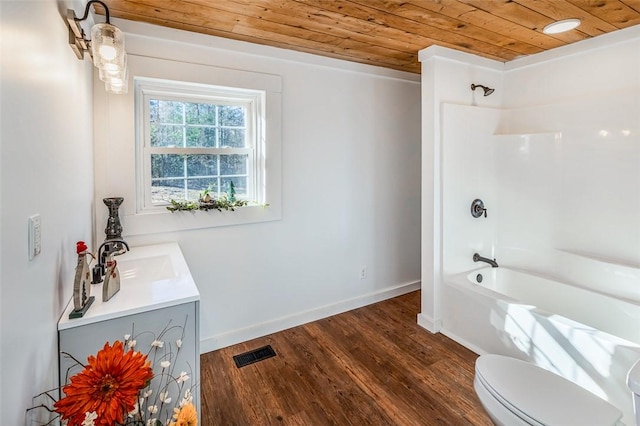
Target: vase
(114, 228)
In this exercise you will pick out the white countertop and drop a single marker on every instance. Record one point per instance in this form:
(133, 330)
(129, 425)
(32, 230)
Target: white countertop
(152, 277)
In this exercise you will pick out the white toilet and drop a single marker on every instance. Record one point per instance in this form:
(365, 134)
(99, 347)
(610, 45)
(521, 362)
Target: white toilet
(515, 392)
(633, 381)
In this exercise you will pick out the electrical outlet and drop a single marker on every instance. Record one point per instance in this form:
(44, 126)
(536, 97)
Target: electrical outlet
(363, 272)
(35, 236)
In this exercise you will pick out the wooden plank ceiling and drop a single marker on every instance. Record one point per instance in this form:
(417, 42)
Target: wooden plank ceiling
(387, 33)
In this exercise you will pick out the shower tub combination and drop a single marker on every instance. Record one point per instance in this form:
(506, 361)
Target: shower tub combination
(586, 336)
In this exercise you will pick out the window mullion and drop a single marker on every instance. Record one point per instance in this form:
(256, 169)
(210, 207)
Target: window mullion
(218, 177)
(212, 151)
(184, 157)
(217, 124)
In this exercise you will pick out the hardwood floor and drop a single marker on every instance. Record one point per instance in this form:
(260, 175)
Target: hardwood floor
(369, 366)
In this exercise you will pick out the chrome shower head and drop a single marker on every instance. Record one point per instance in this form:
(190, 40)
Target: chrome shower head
(487, 90)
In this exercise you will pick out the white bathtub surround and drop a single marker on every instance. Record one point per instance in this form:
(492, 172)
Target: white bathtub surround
(556, 160)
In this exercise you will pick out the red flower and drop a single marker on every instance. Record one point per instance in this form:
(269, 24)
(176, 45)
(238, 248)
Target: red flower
(108, 385)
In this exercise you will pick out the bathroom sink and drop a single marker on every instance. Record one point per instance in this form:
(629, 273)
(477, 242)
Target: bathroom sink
(145, 270)
(152, 277)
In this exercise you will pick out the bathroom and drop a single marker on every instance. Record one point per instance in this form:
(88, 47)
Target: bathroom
(254, 279)
(303, 266)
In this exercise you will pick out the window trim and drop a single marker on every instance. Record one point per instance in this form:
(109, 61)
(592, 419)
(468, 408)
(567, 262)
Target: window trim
(253, 100)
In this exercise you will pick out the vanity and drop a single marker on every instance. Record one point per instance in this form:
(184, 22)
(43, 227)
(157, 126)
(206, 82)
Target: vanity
(158, 301)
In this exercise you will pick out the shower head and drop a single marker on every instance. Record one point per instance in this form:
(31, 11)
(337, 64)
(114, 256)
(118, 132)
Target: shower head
(487, 90)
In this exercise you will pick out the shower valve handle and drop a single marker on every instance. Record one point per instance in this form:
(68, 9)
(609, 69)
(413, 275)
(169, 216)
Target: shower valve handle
(477, 208)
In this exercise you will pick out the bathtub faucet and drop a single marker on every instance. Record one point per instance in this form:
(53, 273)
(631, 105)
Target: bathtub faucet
(478, 258)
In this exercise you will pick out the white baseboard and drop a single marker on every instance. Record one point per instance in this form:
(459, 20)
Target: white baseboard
(229, 338)
(429, 323)
(464, 342)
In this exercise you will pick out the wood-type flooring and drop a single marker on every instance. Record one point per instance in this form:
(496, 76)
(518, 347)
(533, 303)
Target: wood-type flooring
(370, 366)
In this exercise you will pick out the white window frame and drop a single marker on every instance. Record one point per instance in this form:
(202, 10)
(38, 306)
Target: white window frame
(254, 102)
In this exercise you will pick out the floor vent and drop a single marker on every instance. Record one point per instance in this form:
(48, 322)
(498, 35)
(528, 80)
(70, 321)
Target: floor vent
(254, 356)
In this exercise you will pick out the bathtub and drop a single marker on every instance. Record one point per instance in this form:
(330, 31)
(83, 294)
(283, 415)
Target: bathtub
(590, 338)
(603, 312)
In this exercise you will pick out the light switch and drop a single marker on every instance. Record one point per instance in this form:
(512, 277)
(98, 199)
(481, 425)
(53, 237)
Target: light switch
(35, 236)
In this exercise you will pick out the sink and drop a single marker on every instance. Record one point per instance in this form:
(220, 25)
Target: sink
(152, 277)
(144, 270)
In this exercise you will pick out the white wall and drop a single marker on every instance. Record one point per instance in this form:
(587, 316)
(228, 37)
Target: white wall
(46, 168)
(350, 192)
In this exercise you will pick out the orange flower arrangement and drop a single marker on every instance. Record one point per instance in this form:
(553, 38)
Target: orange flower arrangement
(121, 386)
(185, 416)
(108, 386)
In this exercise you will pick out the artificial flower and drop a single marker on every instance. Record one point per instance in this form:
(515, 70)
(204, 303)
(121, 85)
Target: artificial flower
(136, 408)
(157, 343)
(108, 386)
(164, 397)
(183, 377)
(165, 364)
(131, 344)
(179, 343)
(185, 416)
(188, 398)
(89, 418)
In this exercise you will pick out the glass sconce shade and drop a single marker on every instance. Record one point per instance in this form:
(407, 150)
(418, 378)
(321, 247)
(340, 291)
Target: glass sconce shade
(107, 47)
(118, 82)
(113, 73)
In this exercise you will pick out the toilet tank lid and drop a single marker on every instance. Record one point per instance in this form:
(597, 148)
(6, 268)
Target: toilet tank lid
(542, 395)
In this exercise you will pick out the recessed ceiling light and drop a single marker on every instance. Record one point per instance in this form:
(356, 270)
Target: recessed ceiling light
(561, 26)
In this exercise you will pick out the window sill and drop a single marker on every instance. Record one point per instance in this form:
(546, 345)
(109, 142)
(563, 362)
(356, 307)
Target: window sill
(166, 221)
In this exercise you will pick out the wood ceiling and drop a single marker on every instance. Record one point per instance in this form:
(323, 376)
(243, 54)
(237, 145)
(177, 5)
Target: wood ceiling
(388, 33)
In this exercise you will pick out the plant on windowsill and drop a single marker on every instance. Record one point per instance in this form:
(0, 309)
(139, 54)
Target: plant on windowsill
(206, 202)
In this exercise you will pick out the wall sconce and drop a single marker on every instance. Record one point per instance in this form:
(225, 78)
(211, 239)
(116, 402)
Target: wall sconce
(106, 48)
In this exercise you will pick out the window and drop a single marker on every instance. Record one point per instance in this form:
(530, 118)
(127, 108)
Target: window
(194, 138)
(199, 139)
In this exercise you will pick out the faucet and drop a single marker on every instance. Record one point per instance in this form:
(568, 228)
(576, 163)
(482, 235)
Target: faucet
(109, 247)
(478, 258)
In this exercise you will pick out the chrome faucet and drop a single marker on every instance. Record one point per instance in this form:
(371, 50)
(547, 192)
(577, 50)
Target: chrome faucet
(478, 258)
(108, 248)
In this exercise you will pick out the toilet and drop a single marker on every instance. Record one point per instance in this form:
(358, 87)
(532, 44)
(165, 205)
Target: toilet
(633, 382)
(515, 392)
